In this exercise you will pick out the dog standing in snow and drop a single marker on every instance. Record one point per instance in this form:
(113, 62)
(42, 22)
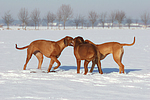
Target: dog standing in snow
(50, 49)
(114, 48)
(87, 52)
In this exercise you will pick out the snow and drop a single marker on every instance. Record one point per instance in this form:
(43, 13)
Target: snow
(65, 83)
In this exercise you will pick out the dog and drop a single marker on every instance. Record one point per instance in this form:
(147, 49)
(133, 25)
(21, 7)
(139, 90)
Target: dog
(114, 48)
(50, 49)
(87, 52)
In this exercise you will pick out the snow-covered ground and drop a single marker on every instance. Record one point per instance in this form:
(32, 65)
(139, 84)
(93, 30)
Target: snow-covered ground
(65, 84)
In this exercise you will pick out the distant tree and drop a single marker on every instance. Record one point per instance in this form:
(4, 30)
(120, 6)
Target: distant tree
(136, 21)
(66, 13)
(145, 18)
(129, 21)
(23, 17)
(50, 19)
(35, 17)
(47, 19)
(77, 20)
(59, 17)
(8, 18)
(103, 18)
(82, 21)
(87, 24)
(120, 15)
(109, 24)
(93, 16)
(39, 22)
(112, 17)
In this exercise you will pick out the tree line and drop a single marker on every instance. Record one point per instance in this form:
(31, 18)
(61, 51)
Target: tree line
(65, 13)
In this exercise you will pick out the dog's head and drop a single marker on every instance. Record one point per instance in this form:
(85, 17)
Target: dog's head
(68, 41)
(78, 40)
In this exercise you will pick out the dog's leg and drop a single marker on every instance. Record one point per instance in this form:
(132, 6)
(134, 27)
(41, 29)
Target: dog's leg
(57, 61)
(28, 58)
(85, 67)
(93, 65)
(99, 67)
(121, 67)
(50, 65)
(117, 58)
(78, 66)
(40, 58)
(122, 52)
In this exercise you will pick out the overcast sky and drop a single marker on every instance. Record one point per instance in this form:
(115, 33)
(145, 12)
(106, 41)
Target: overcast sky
(132, 8)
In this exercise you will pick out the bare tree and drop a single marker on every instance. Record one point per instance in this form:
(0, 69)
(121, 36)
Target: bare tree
(145, 18)
(120, 15)
(8, 18)
(50, 17)
(35, 17)
(136, 21)
(87, 24)
(59, 17)
(47, 19)
(112, 17)
(93, 16)
(82, 21)
(103, 18)
(39, 22)
(77, 20)
(66, 13)
(129, 21)
(23, 16)
(109, 24)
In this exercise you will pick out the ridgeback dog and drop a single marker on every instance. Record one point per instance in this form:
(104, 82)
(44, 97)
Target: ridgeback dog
(114, 48)
(50, 49)
(87, 52)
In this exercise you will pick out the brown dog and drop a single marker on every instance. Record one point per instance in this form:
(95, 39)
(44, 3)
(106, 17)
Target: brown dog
(114, 48)
(50, 49)
(87, 52)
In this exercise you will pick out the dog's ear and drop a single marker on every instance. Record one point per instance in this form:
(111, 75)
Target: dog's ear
(80, 39)
(65, 41)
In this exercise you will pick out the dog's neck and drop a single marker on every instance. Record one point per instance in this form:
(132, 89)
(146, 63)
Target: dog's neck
(61, 44)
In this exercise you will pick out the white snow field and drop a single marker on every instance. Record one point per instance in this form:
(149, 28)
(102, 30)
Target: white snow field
(65, 83)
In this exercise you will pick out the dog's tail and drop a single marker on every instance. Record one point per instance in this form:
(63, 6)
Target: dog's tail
(22, 47)
(129, 44)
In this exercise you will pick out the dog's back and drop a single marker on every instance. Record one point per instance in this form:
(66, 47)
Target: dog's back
(87, 51)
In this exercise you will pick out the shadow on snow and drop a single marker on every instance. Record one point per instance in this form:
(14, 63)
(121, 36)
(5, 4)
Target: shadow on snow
(105, 70)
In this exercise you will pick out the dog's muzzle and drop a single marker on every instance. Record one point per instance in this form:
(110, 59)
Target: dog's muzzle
(72, 43)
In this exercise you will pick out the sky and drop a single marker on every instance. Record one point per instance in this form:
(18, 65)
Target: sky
(133, 8)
